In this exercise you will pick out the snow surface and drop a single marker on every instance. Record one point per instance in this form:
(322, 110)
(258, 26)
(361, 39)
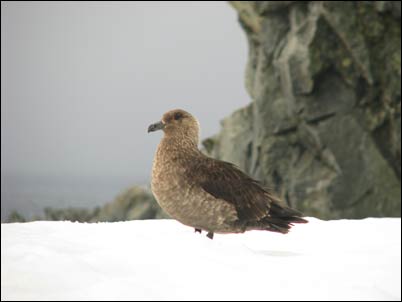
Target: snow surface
(164, 260)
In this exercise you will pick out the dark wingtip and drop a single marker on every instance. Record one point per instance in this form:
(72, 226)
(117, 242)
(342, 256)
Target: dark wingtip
(298, 220)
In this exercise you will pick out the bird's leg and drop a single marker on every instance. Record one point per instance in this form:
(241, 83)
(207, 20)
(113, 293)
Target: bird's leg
(197, 231)
(210, 235)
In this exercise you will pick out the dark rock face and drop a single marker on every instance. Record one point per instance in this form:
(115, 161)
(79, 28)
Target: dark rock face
(324, 126)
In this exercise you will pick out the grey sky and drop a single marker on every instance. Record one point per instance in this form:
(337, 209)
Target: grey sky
(82, 81)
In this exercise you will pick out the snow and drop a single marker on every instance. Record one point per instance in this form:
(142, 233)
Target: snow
(164, 260)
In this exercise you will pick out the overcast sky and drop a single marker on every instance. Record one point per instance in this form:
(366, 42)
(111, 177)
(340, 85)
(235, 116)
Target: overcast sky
(81, 82)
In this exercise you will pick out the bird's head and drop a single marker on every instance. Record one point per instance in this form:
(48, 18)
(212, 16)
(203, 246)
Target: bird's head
(178, 123)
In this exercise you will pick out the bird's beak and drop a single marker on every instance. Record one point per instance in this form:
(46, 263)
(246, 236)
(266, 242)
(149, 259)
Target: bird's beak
(157, 126)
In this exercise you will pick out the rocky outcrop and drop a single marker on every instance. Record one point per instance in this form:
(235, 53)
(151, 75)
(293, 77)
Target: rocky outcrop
(134, 203)
(324, 125)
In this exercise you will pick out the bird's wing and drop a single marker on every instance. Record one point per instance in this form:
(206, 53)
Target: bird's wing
(226, 182)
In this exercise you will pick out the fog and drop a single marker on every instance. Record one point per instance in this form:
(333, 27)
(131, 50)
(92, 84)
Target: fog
(81, 82)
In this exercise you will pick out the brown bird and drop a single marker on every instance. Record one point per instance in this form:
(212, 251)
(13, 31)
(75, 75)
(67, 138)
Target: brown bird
(206, 193)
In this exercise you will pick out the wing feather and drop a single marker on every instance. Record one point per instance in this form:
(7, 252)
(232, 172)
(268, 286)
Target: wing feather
(225, 181)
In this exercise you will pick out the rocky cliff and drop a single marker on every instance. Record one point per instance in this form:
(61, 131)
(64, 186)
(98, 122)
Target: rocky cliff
(323, 129)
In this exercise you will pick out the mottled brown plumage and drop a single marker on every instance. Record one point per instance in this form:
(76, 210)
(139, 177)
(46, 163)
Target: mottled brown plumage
(206, 193)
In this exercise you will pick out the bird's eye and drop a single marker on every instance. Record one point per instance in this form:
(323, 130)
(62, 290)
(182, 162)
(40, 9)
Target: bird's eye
(178, 115)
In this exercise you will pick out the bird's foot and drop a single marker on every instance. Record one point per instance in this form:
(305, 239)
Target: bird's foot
(197, 231)
(210, 235)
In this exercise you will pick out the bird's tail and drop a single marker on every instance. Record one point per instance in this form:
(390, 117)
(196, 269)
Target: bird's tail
(280, 219)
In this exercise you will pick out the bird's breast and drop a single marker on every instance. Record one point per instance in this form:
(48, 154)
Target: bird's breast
(182, 198)
(169, 184)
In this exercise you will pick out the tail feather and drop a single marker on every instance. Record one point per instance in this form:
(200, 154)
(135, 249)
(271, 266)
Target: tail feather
(280, 219)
